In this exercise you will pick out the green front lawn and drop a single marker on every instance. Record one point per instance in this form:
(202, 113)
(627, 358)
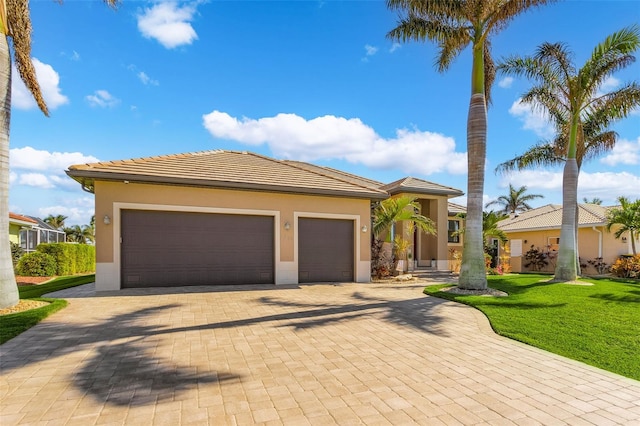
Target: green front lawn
(13, 324)
(597, 324)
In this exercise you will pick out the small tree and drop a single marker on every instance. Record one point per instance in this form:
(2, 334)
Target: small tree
(628, 217)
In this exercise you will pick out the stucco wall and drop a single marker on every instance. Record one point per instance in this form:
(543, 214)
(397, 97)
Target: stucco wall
(592, 243)
(111, 197)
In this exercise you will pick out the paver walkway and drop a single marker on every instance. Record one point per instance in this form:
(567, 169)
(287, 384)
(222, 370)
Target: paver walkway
(314, 354)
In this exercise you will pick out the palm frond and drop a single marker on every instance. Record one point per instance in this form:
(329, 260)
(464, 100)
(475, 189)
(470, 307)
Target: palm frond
(536, 156)
(19, 26)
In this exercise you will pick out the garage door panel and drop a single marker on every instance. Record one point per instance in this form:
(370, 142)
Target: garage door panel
(325, 250)
(162, 248)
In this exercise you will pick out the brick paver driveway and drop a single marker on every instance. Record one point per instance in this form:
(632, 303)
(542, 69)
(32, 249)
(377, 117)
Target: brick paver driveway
(315, 354)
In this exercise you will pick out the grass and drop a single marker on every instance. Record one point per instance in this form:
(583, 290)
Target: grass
(13, 324)
(597, 324)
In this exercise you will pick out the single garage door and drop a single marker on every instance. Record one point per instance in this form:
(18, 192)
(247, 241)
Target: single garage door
(166, 249)
(325, 250)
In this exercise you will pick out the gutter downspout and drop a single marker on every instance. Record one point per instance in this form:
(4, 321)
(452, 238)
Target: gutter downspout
(599, 240)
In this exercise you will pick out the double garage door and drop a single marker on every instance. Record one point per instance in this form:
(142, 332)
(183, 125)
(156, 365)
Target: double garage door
(167, 249)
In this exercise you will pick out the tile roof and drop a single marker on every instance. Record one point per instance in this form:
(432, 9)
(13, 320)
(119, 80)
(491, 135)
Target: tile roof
(419, 186)
(454, 208)
(229, 169)
(550, 217)
(19, 218)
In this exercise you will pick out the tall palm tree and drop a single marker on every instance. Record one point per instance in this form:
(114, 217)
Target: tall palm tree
(628, 217)
(15, 24)
(574, 101)
(516, 201)
(455, 25)
(391, 211)
(56, 221)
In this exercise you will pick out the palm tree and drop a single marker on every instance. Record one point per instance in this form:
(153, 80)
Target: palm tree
(56, 221)
(572, 99)
(391, 211)
(628, 217)
(516, 201)
(455, 25)
(595, 200)
(15, 23)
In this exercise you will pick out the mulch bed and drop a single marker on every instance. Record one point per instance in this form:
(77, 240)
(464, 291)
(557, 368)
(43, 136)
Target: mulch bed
(32, 280)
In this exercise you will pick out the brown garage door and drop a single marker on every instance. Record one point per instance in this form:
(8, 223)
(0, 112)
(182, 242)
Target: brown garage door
(325, 250)
(165, 249)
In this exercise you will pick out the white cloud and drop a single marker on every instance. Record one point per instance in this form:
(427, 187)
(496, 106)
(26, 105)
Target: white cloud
(146, 80)
(395, 46)
(49, 82)
(35, 179)
(13, 176)
(604, 185)
(533, 119)
(293, 137)
(506, 82)
(371, 50)
(28, 158)
(624, 152)
(168, 23)
(609, 84)
(102, 98)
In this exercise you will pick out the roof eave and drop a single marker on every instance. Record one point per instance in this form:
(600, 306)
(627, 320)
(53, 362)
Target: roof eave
(87, 179)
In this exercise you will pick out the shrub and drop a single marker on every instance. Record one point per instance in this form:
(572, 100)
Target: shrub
(36, 264)
(535, 259)
(599, 265)
(16, 253)
(627, 267)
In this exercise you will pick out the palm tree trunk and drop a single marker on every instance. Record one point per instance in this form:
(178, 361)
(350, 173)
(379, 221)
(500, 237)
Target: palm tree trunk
(472, 271)
(8, 288)
(566, 268)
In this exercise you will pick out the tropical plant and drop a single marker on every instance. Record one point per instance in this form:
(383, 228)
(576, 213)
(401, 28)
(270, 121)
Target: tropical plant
(453, 26)
(628, 217)
(516, 201)
(79, 234)
(56, 221)
(389, 212)
(575, 103)
(15, 24)
(627, 267)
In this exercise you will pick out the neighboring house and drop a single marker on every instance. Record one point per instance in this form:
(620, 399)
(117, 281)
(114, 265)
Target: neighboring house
(226, 217)
(30, 231)
(540, 228)
(455, 239)
(16, 224)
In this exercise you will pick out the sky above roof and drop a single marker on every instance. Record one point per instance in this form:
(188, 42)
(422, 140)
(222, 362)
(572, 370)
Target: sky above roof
(314, 81)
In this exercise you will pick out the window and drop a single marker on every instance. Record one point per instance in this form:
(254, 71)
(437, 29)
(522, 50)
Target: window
(452, 232)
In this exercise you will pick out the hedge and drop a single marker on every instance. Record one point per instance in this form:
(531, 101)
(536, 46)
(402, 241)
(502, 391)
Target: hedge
(71, 259)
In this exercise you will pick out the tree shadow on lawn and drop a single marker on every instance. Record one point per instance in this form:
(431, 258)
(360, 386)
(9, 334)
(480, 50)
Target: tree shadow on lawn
(633, 296)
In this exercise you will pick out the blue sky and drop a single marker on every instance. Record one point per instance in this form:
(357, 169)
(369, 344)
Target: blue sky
(310, 80)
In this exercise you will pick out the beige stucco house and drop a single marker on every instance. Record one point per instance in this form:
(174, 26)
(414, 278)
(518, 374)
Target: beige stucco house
(227, 217)
(540, 228)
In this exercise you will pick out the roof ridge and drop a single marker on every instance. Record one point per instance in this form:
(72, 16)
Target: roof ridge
(586, 206)
(290, 164)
